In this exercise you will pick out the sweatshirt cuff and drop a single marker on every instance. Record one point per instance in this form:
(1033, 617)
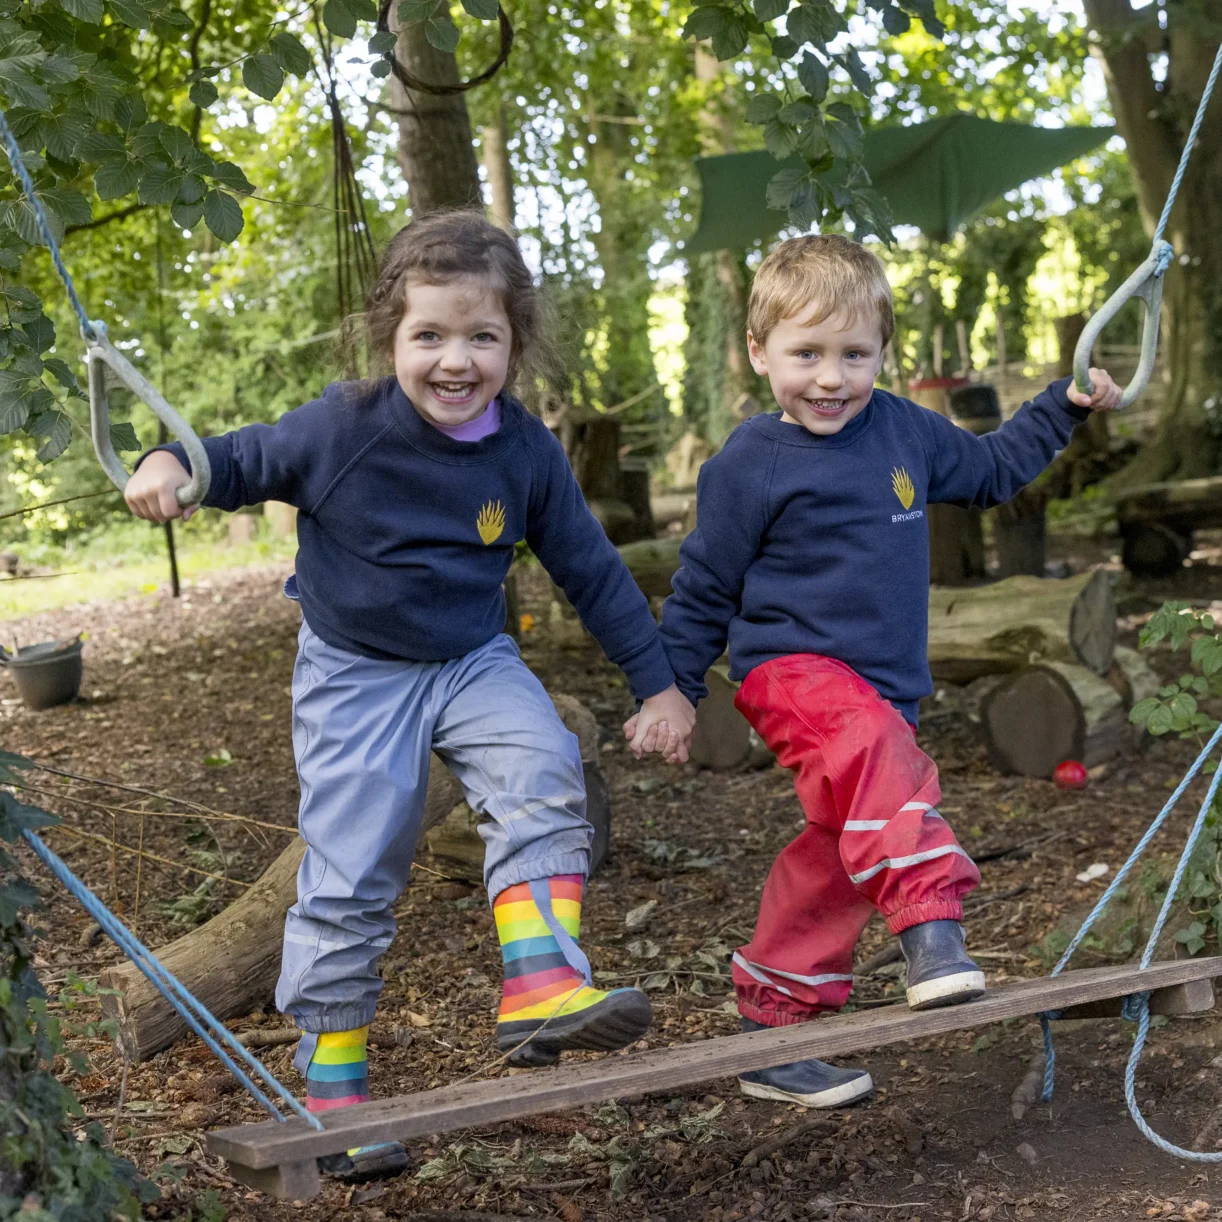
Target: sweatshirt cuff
(171, 447)
(1057, 392)
(649, 672)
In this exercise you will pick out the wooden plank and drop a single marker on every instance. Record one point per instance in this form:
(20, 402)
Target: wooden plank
(488, 1102)
(1195, 997)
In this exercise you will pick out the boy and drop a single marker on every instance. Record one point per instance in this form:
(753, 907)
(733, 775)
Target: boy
(811, 555)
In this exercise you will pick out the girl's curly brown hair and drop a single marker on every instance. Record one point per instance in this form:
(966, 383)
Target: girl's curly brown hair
(440, 248)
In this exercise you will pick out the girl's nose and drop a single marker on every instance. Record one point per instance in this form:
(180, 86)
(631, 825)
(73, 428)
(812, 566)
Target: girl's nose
(455, 358)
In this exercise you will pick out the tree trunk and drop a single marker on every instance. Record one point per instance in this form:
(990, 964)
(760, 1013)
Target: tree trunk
(499, 169)
(435, 150)
(1054, 712)
(1154, 122)
(1003, 627)
(232, 961)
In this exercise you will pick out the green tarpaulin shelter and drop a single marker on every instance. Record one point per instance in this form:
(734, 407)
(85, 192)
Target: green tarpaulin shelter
(935, 175)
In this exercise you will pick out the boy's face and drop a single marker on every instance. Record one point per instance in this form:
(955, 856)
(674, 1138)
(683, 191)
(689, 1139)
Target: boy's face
(822, 374)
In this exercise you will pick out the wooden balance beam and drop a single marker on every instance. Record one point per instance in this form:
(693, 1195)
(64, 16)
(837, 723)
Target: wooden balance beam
(279, 1158)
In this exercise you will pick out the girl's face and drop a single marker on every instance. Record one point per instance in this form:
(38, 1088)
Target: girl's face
(452, 349)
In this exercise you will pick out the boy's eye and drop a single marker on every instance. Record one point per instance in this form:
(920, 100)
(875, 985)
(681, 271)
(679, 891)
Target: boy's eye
(805, 354)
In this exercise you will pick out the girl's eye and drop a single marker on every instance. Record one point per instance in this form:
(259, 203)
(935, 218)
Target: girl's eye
(485, 337)
(427, 337)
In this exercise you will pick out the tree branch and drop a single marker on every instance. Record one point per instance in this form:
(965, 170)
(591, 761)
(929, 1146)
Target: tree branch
(98, 221)
(1139, 106)
(205, 13)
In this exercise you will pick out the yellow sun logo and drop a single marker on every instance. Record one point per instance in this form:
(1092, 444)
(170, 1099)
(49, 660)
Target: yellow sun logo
(901, 482)
(491, 522)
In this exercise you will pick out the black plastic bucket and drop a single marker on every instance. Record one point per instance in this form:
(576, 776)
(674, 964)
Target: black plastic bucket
(46, 674)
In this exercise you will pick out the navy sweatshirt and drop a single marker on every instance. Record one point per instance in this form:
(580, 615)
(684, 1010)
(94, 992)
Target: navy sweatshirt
(808, 544)
(405, 535)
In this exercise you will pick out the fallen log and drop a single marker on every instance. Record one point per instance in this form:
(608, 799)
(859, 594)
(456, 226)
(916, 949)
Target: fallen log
(1053, 712)
(652, 563)
(1008, 625)
(1157, 521)
(232, 961)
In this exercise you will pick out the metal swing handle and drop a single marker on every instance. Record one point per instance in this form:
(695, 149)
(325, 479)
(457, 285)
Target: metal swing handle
(1147, 283)
(101, 354)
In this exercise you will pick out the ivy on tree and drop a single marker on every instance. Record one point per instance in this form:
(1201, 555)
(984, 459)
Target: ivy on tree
(824, 179)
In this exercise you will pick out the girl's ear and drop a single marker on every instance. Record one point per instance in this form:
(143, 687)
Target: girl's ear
(755, 352)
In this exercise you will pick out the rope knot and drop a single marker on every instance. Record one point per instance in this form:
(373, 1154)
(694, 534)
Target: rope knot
(1164, 253)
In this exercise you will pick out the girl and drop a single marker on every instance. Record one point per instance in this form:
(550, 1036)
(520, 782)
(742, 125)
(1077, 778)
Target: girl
(412, 492)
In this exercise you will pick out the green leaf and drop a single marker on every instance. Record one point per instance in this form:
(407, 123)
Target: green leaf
(815, 22)
(96, 147)
(339, 18)
(704, 23)
(797, 113)
(1160, 720)
(203, 94)
(134, 13)
(262, 75)
(441, 32)
(762, 107)
(55, 428)
(380, 69)
(804, 207)
(40, 332)
(844, 132)
(59, 70)
(186, 216)
(61, 372)
(23, 305)
(731, 39)
(192, 190)
(291, 54)
(784, 47)
(924, 11)
(123, 437)
(90, 11)
(177, 143)
(779, 139)
(159, 184)
(485, 10)
(22, 87)
(71, 206)
(769, 10)
(223, 215)
(862, 80)
(782, 186)
(131, 112)
(413, 11)
(230, 176)
(24, 220)
(381, 42)
(896, 21)
(813, 144)
(116, 179)
(14, 401)
(812, 75)
(1139, 714)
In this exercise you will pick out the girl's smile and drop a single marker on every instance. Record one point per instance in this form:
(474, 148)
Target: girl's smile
(452, 349)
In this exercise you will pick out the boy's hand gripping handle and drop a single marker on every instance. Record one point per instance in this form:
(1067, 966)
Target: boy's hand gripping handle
(1147, 283)
(102, 356)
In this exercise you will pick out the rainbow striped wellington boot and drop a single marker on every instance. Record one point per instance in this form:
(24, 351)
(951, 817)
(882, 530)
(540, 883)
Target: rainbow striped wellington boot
(548, 1004)
(336, 1071)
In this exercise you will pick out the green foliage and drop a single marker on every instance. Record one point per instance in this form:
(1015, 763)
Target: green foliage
(790, 103)
(53, 1166)
(1176, 710)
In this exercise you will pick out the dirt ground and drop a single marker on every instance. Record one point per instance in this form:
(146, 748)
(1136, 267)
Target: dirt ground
(191, 699)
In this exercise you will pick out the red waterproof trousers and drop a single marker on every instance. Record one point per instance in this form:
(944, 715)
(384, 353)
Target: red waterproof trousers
(873, 839)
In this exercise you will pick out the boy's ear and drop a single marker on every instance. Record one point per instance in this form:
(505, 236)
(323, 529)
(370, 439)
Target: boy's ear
(755, 352)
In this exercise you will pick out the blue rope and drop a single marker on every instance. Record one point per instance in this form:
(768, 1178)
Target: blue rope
(193, 1011)
(40, 214)
(1137, 1006)
(1186, 155)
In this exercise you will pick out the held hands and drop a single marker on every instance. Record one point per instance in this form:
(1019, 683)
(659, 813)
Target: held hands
(664, 724)
(1106, 397)
(150, 491)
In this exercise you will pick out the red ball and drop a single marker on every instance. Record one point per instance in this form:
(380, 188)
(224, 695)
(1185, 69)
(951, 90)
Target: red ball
(1069, 774)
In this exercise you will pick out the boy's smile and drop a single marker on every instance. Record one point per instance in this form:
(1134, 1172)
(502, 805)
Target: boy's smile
(822, 373)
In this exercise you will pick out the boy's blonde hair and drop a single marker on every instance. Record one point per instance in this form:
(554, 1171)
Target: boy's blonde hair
(817, 277)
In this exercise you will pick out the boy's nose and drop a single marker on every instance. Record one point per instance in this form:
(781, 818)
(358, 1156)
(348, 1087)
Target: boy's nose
(829, 377)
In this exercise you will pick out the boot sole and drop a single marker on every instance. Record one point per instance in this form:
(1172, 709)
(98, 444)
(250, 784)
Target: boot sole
(615, 1022)
(833, 1096)
(382, 1162)
(945, 991)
